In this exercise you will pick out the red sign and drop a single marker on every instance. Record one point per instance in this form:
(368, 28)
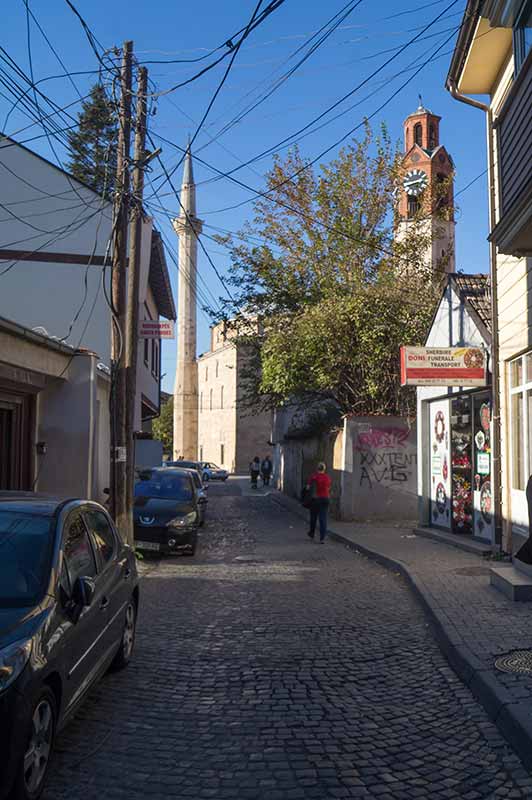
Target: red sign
(156, 329)
(443, 366)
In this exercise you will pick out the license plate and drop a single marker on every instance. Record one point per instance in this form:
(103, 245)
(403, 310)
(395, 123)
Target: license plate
(147, 545)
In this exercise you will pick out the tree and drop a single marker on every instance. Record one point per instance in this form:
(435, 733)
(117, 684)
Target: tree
(332, 292)
(163, 426)
(92, 146)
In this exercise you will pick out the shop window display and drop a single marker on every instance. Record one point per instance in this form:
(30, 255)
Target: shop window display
(462, 465)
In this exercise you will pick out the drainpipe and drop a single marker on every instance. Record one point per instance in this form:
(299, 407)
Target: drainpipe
(496, 414)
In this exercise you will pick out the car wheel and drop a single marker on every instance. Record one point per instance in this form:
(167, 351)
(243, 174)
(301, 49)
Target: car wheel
(31, 774)
(127, 642)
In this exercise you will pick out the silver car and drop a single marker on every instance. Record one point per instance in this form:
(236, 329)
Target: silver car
(201, 493)
(213, 473)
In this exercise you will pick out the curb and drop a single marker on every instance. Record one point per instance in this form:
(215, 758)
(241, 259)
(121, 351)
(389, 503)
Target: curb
(513, 719)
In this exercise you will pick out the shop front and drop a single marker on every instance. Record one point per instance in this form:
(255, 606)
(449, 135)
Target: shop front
(460, 464)
(454, 412)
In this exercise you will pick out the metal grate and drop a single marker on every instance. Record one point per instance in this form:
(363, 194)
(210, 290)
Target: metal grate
(519, 662)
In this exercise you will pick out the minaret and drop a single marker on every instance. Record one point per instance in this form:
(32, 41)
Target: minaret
(188, 227)
(426, 164)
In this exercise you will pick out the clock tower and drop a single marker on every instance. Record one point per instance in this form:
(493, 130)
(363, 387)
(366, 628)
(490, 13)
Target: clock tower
(426, 191)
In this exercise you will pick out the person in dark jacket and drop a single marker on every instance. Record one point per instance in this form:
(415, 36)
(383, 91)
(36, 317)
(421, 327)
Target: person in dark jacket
(266, 470)
(319, 484)
(254, 471)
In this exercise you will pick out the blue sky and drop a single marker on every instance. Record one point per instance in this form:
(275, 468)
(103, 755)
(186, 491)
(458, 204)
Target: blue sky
(363, 41)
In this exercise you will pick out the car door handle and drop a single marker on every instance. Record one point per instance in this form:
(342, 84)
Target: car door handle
(104, 603)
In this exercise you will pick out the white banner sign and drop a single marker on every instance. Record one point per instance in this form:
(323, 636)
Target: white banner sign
(156, 329)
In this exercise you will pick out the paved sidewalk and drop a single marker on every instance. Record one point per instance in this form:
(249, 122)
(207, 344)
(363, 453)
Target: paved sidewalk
(473, 622)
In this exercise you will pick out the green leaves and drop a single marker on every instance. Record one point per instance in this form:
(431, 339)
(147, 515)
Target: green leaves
(334, 290)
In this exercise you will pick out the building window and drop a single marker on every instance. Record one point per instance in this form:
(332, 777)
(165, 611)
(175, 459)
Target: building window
(201, 452)
(522, 36)
(201, 401)
(206, 373)
(413, 206)
(216, 369)
(222, 454)
(418, 134)
(222, 397)
(147, 315)
(210, 400)
(432, 137)
(521, 420)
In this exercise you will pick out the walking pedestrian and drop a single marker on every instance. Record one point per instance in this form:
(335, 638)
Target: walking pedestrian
(266, 469)
(254, 471)
(319, 484)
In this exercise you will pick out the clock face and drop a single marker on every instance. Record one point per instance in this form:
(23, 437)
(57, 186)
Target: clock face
(415, 182)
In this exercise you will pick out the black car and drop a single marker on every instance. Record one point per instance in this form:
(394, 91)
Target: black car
(166, 512)
(186, 465)
(68, 608)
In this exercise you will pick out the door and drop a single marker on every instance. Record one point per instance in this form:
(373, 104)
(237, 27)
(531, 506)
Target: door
(114, 572)
(15, 446)
(482, 514)
(84, 646)
(462, 464)
(440, 466)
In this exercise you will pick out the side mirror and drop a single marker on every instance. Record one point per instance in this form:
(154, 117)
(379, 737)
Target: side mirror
(205, 486)
(83, 593)
(202, 500)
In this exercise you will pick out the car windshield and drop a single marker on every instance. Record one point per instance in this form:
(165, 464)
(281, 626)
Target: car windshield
(213, 466)
(25, 549)
(171, 487)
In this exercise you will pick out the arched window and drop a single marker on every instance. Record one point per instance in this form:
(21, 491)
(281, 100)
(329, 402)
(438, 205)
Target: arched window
(210, 400)
(413, 206)
(418, 134)
(432, 137)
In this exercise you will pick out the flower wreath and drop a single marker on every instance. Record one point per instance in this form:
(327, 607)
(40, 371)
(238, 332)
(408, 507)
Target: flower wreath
(439, 426)
(474, 358)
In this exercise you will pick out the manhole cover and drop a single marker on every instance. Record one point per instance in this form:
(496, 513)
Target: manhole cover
(472, 571)
(519, 662)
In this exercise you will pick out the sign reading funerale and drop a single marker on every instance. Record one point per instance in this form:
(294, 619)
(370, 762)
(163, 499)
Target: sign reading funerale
(443, 366)
(156, 329)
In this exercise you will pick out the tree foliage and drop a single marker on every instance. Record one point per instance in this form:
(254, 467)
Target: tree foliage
(92, 146)
(332, 291)
(163, 426)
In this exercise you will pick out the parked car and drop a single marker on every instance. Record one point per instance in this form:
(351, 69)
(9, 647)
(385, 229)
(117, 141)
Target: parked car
(68, 609)
(166, 511)
(186, 465)
(211, 472)
(201, 492)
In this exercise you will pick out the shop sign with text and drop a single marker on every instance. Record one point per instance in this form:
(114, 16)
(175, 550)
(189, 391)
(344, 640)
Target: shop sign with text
(443, 366)
(156, 329)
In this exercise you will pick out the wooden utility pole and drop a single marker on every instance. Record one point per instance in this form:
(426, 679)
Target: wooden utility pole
(133, 285)
(118, 293)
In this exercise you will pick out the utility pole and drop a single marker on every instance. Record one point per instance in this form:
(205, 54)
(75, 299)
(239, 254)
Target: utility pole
(118, 295)
(132, 318)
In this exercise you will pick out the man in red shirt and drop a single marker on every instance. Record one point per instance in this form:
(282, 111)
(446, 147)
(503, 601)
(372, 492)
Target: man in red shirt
(320, 484)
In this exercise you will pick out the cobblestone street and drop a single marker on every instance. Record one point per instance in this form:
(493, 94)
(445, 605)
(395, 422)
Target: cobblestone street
(271, 667)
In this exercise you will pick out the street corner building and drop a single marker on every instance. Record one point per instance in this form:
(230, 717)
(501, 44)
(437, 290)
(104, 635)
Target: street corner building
(55, 329)
(493, 57)
(455, 422)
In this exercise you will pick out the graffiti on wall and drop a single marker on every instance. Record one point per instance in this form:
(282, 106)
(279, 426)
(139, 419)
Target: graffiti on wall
(386, 458)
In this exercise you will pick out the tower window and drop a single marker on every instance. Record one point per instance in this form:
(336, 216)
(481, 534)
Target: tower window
(413, 206)
(222, 397)
(418, 133)
(206, 373)
(201, 404)
(210, 400)
(442, 192)
(432, 137)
